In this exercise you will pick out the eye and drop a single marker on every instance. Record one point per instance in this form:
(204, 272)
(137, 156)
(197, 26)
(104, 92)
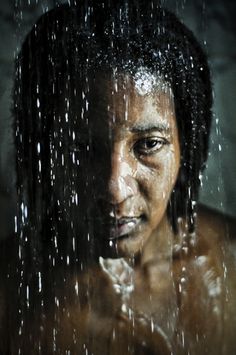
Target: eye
(149, 145)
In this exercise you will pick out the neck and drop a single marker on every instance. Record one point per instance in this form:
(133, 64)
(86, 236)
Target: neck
(160, 244)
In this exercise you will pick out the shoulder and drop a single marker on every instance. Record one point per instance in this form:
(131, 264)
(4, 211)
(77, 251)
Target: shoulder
(216, 234)
(214, 224)
(219, 232)
(207, 294)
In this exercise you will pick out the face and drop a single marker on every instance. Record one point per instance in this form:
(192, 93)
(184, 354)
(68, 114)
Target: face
(129, 158)
(144, 157)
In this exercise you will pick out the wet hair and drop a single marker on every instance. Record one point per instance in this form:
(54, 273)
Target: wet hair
(66, 47)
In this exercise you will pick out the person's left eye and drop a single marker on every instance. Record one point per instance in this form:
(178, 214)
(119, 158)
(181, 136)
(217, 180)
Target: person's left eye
(149, 145)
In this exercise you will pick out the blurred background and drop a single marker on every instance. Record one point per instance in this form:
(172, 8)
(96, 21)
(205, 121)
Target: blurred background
(212, 21)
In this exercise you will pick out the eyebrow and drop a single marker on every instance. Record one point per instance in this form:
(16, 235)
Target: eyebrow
(149, 127)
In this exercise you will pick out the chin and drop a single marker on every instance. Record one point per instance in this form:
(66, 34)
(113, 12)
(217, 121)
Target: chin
(127, 246)
(119, 244)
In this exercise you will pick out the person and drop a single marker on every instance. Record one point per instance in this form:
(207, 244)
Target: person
(112, 253)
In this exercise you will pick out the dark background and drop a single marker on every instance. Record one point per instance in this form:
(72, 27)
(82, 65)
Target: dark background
(212, 21)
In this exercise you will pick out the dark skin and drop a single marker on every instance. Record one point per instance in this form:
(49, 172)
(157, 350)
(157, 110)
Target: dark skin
(177, 300)
(97, 318)
(145, 159)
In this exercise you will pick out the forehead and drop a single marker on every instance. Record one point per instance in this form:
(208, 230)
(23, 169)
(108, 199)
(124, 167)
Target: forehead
(125, 100)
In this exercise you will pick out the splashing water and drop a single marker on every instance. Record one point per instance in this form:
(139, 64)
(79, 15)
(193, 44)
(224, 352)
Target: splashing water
(112, 110)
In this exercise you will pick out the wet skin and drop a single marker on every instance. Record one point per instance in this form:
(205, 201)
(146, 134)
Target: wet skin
(196, 319)
(177, 302)
(144, 156)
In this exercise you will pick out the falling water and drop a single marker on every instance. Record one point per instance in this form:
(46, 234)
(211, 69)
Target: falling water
(74, 284)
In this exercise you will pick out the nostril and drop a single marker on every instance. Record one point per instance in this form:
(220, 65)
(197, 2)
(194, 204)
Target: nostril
(106, 208)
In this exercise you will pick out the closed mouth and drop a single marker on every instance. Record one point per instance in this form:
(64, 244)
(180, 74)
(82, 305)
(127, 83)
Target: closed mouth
(123, 226)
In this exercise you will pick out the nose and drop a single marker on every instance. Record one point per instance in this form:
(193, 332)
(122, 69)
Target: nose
(122, 182)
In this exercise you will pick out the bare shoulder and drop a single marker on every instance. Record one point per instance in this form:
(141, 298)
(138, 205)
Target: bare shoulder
(218, 231)
(211, 271)
(216, 225)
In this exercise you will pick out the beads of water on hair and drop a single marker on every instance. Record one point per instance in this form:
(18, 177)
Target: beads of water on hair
(24, 210)
(39, 281)
(68, 260)
(62, 160)
(27, 296)
(39, 168)
(55, 242)
(15, 224)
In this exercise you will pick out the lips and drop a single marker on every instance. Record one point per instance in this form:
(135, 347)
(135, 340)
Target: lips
(123, 226)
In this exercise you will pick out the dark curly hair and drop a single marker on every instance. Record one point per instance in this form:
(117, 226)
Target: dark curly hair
(64, 46)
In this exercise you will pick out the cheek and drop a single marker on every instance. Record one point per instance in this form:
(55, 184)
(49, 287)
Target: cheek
(169, 174)
(158, 182)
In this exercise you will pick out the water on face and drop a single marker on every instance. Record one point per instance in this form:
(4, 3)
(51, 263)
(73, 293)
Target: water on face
(71, 289)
